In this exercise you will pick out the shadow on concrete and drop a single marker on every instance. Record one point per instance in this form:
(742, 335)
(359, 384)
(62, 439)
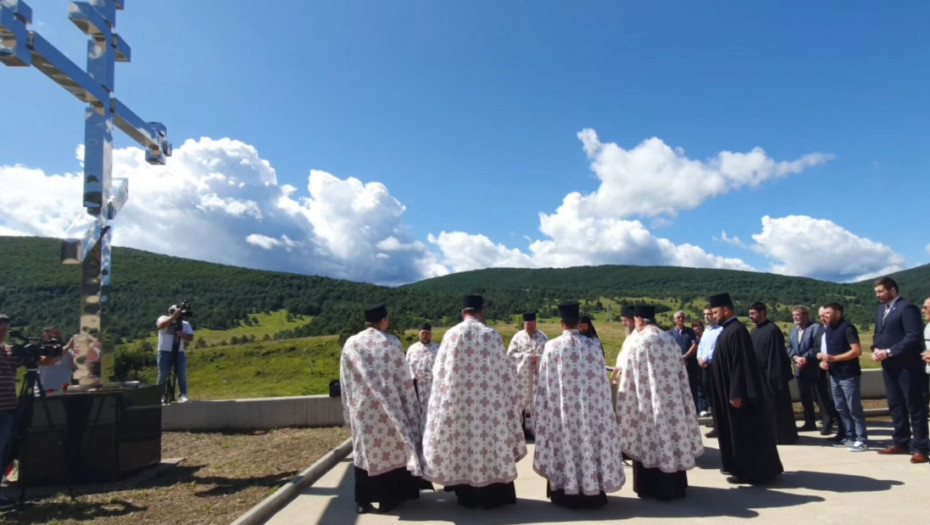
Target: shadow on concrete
(340, 510)
(831, 482)
(700, 502)
(738, 502)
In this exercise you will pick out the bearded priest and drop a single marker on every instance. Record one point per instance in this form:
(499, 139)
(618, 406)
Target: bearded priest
(658, 427)
(473, 438)
(380, 406)
(577, 437)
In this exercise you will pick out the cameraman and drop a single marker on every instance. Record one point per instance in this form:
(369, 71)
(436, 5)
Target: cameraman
(55, 372)
(8, 366)
(167, 332)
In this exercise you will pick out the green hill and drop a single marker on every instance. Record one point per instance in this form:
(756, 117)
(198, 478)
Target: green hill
(37, 290)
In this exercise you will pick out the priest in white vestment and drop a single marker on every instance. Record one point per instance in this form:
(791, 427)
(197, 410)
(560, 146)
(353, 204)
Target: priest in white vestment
(577, 436)
(380, 406)
(658, 425)
(473, 438)
(525, 349)
(626, 317)
(420, 359)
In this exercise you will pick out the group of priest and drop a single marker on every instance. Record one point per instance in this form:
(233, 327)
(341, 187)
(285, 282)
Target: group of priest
(458, 414)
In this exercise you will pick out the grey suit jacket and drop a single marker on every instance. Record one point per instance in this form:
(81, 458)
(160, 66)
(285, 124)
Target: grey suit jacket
(806, 348)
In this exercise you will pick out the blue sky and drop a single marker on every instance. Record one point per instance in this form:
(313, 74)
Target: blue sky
(393, 141)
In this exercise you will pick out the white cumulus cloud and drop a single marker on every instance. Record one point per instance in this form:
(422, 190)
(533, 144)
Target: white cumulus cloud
(654, 179)
(821, 249)
(651, 180)
(218, 200)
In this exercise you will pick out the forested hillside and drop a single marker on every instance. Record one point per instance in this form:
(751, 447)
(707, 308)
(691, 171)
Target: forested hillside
(36, 289)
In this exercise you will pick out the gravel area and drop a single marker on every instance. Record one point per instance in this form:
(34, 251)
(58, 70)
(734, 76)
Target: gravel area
(220, 477)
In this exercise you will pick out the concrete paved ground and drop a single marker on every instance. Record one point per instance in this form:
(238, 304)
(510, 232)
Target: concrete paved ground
(821, 485)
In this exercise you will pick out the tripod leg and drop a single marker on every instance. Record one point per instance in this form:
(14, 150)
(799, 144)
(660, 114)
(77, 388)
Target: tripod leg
(61, 436)
(32, 384)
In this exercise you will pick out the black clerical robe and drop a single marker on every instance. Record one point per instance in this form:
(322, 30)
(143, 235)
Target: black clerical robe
(747, 442)
(769, 344)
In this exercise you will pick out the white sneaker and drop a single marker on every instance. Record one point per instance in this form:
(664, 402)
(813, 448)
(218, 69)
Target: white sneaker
(183, 399)
(858, 446)
(704, 413)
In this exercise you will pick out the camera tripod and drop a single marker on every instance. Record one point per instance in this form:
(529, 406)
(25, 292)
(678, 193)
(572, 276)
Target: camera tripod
(32, 384)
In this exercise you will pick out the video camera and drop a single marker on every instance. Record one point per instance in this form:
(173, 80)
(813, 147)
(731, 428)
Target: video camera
(185, 308)
(33, 348)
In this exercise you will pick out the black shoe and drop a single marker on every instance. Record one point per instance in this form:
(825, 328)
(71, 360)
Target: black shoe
(388, 506)
(725, 472)
(827, 428)
(711, 434)
(807, 427)
(839, 437)
(736, 480)
(364, 509)
(6, 504)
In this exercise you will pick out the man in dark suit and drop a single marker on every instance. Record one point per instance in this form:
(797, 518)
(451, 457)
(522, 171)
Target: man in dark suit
(803, 345)
(897, 346)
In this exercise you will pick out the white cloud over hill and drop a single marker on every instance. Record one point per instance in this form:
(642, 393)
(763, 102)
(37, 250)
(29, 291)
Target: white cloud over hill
(218, 200)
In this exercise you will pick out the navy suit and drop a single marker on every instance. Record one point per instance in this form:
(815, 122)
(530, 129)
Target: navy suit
(812, 381)
(901, 332)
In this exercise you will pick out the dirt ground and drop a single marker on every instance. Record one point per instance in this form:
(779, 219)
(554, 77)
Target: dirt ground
(220, 477)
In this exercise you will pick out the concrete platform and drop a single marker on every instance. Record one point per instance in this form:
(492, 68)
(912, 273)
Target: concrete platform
(822, 485)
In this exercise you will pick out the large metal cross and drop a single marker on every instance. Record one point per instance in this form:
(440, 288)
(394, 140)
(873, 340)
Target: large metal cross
(21, 47)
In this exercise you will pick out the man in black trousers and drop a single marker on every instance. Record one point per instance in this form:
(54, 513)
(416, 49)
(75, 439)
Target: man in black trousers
(803, 346)
(897, 345)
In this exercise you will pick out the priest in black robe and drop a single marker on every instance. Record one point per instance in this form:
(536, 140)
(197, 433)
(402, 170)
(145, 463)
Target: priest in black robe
(769, 344)
(747, 441)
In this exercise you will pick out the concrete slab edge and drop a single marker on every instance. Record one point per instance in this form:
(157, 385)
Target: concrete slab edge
(269, 506)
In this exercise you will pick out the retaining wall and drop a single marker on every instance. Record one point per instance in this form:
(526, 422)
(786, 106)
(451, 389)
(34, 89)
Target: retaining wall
(324, 411)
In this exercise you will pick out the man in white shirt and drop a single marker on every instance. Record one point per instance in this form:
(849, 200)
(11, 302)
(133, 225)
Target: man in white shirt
(705, 355)
(55, 372)
(173, 329)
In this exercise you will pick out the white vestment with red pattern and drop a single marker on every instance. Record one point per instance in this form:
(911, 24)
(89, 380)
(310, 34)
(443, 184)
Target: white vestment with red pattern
(658, 426)
(379, 403)
(577, 436)
(625, 349)
(473, 434)
(420, 359)
(525, 351)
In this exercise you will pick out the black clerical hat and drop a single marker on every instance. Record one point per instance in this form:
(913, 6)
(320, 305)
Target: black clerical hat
(627, 311)
(425, 326)
(569, 311)
(475, 302)
(375, 313)
(721, 300)
(645, 311)
(529, 316)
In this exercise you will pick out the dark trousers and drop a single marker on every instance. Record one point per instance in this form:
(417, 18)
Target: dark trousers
(905, 392)
(696, 384)
(817, 390)
(707, 384)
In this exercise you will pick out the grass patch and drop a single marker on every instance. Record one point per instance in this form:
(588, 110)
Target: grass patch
(305, 366)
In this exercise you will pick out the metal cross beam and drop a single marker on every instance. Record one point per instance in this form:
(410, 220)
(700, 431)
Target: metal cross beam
(21, 47)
